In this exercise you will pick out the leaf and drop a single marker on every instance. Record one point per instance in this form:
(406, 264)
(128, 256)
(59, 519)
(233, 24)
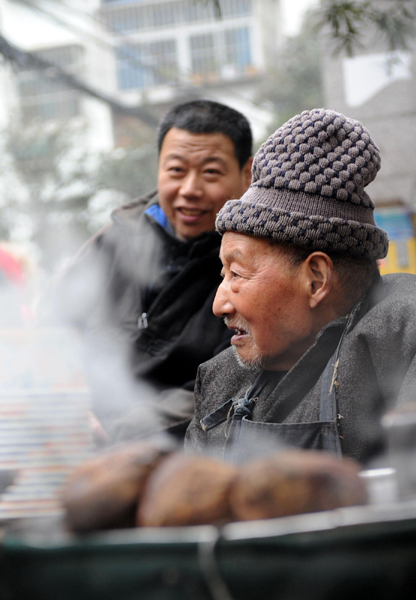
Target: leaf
(349, 22)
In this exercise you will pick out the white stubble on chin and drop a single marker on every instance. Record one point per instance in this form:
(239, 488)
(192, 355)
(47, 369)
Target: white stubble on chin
(253, 364)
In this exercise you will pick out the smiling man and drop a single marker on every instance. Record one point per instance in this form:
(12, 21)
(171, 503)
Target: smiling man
(197, 171)
(160, 267)
(322, 346)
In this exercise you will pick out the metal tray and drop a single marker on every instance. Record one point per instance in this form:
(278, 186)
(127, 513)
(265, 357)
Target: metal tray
(336, 554)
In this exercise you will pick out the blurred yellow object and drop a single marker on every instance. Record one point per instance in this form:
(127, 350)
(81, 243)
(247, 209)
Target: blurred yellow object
(401, 257)
(398, 222)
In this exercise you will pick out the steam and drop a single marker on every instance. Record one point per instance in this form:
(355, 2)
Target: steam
(75, 361)
(60, 376)
(43, 409)
(100, 297)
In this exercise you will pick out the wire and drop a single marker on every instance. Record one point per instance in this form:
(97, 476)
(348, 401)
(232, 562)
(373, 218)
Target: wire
(26, 60)
(104, 44)
(122, 51)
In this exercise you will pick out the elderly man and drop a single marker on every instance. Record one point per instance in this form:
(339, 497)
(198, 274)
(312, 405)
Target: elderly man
(150, 277)
(322, 345)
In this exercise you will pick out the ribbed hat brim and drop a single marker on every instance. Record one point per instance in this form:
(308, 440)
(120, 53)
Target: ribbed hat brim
(304, 229)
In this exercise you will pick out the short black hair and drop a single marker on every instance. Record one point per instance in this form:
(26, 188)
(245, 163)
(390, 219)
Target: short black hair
(356, 273)
(206, 116)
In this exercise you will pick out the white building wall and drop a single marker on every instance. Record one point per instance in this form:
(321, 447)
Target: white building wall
(231, 85)
(32, 31)
(383, 98)
(36, 31)
(269, 31)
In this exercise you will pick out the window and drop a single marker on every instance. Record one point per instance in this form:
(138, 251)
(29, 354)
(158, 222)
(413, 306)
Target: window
(203, 53)
(227, 52)
(128, 16)
(141, 17)
(144, 65)
(43, 97)
(237, 47)
(236, 8)
(198, 11)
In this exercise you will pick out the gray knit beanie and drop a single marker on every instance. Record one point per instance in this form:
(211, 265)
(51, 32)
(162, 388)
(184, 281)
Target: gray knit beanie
(307, 188)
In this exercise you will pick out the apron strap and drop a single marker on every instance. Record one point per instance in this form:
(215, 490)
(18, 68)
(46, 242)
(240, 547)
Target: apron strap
(328, 399)
(328, 406)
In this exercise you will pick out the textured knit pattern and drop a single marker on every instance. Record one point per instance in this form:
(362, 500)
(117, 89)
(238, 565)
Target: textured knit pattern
(308, 187)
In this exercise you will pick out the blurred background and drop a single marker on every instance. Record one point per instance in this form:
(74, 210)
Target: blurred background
(83, 84)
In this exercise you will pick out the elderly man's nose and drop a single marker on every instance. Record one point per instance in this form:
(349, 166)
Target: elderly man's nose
(191, 186)
(222, 305)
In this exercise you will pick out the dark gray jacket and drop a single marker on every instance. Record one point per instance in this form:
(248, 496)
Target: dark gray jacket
(145, 269)
(376, 372)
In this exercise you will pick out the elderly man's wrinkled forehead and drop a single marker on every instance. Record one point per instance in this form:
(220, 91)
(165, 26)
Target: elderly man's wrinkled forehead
(242, 247)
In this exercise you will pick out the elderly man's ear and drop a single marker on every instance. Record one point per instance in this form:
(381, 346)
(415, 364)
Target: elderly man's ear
(318, 271)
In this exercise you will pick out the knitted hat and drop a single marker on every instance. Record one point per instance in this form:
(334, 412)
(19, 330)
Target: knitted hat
(307, 188)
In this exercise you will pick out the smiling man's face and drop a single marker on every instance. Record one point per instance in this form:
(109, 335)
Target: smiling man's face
(198, 173)
(263, 298)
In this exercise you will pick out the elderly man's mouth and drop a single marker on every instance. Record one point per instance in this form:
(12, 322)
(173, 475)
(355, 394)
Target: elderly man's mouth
(240, 332)
(238, 336)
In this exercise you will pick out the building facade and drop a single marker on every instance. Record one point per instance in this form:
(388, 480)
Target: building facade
(378, 88)
(149, 53)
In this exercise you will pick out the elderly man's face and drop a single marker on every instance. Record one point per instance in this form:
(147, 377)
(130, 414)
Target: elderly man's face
(198, 173)
(263, 298)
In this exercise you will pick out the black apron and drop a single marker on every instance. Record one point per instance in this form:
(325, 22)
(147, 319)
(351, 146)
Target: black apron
(244, 437)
